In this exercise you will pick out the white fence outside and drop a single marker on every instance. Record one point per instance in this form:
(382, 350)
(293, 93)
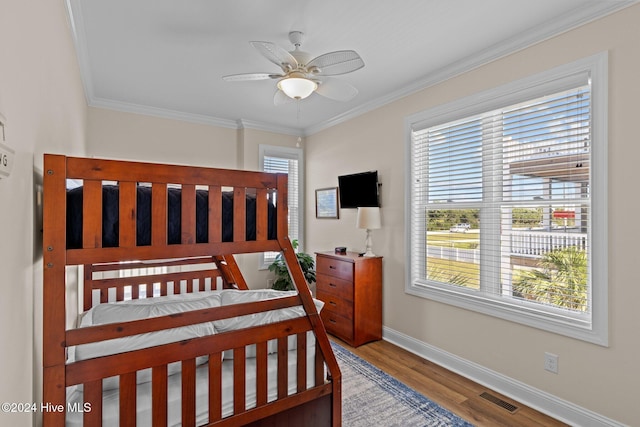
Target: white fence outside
(537, 243)
(523, 243)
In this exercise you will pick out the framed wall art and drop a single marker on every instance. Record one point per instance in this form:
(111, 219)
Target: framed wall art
(327, 203)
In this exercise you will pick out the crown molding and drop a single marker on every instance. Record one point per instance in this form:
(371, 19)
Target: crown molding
(162, 113)
(266, 127)
(76, 24)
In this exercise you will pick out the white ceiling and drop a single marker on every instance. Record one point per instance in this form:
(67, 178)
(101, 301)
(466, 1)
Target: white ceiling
(167, 57)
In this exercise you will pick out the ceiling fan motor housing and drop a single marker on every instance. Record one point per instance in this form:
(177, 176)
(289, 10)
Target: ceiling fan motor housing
(303, 58)
(295, 37)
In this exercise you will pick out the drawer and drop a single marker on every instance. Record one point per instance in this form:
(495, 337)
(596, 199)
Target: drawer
(337, 325)
(335, 267)
(334, 304)
(334, 286)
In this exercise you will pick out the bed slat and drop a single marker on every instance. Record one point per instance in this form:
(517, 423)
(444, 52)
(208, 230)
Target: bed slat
(301, 361)
(159, 395)
(92, 214)
(261, 373)
(262, 214)
(215, 387)
(159, 214)
(239, 214)
(120, 293)
(188, 217)
(127, 197)
(93, 396)
(189, 392)
(239, 375)
(163, 288)
(215, 214)
(87, 292)
(283, 371)
(104, 296)
(128, 399)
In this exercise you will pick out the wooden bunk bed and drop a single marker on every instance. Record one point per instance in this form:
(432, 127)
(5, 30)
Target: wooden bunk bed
(247, 374)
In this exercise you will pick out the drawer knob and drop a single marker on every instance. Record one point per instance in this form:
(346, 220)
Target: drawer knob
(332, 321)
(333, 303)
(333, 285)
(332, 267)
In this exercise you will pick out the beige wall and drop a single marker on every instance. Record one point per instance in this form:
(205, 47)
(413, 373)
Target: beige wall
(128, 136)
(42, 99)
(603, 380)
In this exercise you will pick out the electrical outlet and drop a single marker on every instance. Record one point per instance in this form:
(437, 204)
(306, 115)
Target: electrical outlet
(551, 362)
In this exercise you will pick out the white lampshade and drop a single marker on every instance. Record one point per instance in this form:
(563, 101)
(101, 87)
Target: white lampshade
(297, 87)
(369, 218)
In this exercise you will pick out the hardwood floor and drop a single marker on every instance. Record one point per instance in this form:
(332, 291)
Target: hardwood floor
(450, 390)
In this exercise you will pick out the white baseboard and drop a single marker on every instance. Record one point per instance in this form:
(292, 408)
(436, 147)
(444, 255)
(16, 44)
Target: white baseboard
(539, 400)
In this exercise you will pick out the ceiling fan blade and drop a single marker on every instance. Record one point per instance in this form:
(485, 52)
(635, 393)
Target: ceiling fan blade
(279, 98)
(336, 89)
(251, 76)
(334, 63)
(277, 55)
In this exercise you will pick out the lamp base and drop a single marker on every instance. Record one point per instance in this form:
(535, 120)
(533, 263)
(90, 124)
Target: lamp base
(368, 252)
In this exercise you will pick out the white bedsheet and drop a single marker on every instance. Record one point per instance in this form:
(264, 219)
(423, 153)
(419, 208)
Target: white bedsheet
(110, 412)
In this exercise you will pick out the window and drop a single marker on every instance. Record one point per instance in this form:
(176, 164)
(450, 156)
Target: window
(286, 160)
(507, 203)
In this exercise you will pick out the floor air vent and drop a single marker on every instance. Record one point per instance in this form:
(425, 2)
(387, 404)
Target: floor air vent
(496, 400)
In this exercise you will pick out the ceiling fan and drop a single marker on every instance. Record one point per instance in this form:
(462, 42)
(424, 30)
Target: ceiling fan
(302, 75)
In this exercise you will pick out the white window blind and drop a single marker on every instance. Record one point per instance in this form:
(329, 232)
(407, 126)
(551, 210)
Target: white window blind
(501, 205)
(289, 161)
(290, 167)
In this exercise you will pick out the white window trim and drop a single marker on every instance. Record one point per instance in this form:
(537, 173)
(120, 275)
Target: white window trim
(528, 88)
(292, 153)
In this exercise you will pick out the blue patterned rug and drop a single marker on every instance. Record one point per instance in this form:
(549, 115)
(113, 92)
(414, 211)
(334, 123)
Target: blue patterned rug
(370, 398)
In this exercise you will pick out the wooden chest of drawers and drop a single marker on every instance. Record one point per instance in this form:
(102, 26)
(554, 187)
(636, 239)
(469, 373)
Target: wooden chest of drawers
(351, 288)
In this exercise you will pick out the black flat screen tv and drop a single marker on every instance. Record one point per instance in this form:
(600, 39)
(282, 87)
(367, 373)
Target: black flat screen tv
(359, 190)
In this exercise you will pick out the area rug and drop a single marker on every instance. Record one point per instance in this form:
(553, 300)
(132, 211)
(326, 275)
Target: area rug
(370, 397)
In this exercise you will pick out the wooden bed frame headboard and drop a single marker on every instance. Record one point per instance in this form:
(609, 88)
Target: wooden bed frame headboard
(94, 257)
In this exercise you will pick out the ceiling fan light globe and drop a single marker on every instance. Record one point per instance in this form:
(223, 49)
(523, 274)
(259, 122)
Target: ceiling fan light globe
(297, 87)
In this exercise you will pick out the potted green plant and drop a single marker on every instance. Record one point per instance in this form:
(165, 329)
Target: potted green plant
(283, 281)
